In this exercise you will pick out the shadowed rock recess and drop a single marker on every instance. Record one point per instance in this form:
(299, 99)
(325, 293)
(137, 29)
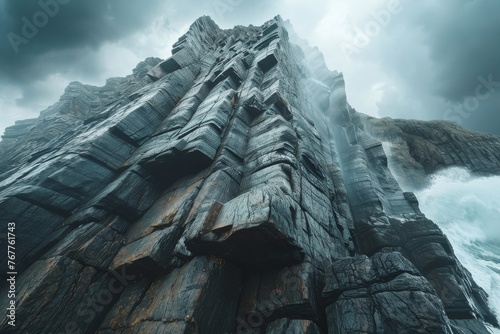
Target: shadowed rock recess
(231, 189)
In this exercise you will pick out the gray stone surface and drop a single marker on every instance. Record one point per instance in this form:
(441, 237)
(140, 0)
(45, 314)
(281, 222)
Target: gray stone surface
(416, 149)
(232, 189)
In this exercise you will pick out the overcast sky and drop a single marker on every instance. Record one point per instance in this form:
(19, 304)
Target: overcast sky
(421, 59)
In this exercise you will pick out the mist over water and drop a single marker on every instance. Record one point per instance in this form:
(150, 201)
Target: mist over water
(467, 209)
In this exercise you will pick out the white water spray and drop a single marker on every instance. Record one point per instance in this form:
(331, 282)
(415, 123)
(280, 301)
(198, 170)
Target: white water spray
(467, 209)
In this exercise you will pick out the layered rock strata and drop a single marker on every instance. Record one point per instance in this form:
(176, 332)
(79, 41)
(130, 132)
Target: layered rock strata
(417, 149)
(227, 189)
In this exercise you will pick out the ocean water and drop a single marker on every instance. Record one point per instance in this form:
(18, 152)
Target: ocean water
(467, 209)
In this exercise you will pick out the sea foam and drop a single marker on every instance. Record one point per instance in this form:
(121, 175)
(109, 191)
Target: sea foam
(467, 209)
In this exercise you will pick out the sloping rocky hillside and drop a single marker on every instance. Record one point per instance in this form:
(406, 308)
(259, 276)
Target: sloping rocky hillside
(230, 189)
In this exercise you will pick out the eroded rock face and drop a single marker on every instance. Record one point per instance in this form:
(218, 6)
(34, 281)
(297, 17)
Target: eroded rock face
(227, 189)
(417, 149)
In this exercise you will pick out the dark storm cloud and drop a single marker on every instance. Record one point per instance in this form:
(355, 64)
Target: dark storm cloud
(426, 63)
(64, 33)
(446, 50)
(463, 37)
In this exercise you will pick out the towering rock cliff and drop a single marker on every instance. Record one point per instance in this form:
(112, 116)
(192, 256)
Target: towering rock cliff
(229, 189)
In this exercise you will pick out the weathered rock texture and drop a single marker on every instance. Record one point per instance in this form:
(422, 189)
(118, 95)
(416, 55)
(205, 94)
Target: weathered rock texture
(228, 189)
(417, 149)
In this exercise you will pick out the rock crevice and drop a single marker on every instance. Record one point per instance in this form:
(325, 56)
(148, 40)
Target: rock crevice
(231, 189)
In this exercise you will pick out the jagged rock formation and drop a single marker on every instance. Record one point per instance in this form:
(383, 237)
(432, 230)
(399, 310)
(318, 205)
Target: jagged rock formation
(227, 189)
(79, 103)
(417, 149)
